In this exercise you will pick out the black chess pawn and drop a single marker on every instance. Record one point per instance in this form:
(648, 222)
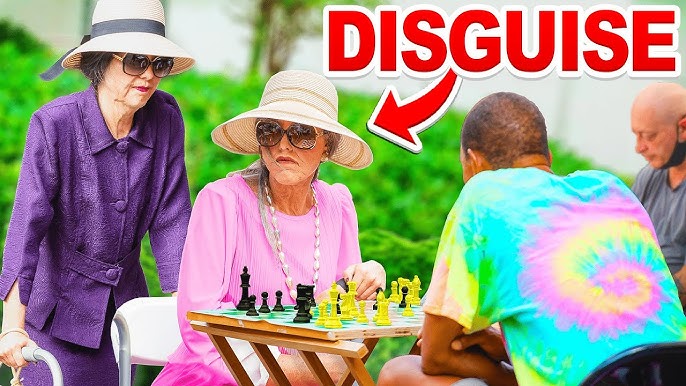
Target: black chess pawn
(251, 310)
(376, 301)
(278, 307)
(403, 304)
(244, 303)
(264, 309)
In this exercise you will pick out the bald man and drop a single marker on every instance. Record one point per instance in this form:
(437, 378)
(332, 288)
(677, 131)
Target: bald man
(658, 119)
(568, 266)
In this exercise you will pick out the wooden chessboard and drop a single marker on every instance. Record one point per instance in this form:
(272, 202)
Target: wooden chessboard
(282, 322)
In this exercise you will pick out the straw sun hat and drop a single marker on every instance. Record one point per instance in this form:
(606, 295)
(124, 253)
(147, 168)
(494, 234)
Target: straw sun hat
(131, 26)
(296, 96)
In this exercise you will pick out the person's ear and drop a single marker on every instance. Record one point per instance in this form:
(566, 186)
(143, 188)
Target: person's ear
(681, 129)
(478, 161)
(550, 157)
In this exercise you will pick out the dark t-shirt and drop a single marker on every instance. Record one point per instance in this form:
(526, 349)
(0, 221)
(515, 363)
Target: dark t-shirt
(667, 210)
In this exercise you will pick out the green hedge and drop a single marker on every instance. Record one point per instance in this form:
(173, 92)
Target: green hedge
(402, 199)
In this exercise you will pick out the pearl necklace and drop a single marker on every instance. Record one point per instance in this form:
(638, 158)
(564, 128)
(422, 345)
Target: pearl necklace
(279, 246)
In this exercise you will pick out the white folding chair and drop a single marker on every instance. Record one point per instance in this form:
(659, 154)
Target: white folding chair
(145, 331)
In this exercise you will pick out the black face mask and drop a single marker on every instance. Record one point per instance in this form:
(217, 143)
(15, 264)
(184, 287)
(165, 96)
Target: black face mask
(677, 157)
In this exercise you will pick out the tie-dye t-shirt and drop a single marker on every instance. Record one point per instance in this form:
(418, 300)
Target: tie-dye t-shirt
(569, 266)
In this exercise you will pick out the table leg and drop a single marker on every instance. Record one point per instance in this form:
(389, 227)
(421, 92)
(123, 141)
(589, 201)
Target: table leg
(270, 363)
(347, 378)
(231, 360)
(358, 371)
(316, 367)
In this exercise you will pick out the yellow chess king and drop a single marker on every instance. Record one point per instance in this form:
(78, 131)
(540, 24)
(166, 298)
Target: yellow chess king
(333, 321)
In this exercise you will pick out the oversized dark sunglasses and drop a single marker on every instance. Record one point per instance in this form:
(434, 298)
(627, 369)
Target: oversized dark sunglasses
(136, 64)
(270, 132)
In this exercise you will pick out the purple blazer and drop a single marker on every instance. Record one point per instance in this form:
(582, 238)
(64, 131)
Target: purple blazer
(84, 202)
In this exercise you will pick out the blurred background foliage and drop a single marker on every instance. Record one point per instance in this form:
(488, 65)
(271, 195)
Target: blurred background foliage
(402, 199)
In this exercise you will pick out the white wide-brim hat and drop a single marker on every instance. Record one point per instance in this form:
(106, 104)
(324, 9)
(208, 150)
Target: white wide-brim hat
(296, 96)
(129, 26)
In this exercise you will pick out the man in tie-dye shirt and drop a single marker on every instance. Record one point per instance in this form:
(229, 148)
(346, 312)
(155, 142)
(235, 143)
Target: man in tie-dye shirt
(568, 266)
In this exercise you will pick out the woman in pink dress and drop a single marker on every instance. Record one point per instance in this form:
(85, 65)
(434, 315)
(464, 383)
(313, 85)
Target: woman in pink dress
(275, 217)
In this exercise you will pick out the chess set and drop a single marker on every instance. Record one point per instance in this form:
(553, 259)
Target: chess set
(400, 310)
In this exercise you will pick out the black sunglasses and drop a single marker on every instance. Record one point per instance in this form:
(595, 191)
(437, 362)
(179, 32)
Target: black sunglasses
(269, 132)
(136, 64)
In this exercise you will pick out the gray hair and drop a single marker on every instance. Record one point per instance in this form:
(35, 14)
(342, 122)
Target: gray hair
(257, 171)
(93, 66)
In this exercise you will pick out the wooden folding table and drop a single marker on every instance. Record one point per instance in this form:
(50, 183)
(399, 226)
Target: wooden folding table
(307, 339)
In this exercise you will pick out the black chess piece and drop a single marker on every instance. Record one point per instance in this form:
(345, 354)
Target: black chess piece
(402, 304)
(376, 301)
(338, 304)
(251, 310)
(278, 307)
(244, 303)
(264, 309)
(303, 303)
(309, 294)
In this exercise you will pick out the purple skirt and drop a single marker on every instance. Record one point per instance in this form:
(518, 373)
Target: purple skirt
(80, 365)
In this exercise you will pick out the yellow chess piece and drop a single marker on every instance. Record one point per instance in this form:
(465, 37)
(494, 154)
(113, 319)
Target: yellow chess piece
(333, 321)
(416, 284)
(379, 298)
(408, 310)
(382, 314)
(346, 308)
(361, 316)
(352, 290)
(322, 313)
(394, 297)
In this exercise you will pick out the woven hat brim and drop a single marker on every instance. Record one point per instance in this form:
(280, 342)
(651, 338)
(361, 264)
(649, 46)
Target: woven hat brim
(237, 135)
(133, 42)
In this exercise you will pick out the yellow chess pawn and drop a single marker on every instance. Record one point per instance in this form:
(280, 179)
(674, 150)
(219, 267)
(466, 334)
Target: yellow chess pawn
(322, 313)
(408, 310)
(361, 316)
(394, 297)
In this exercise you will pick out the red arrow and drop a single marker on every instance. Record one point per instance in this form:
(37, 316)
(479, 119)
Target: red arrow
(400, 121)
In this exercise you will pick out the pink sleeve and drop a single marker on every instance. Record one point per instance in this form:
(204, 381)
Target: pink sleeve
(350, 243)
(207, 257)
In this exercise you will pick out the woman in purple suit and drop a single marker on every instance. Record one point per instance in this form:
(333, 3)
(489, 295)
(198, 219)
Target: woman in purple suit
(101, 168)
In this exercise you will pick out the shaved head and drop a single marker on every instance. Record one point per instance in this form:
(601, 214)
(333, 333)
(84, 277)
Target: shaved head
(662, 103)
(504, 127)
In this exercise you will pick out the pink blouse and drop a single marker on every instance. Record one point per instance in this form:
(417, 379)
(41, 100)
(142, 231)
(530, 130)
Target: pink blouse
(225, 234)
